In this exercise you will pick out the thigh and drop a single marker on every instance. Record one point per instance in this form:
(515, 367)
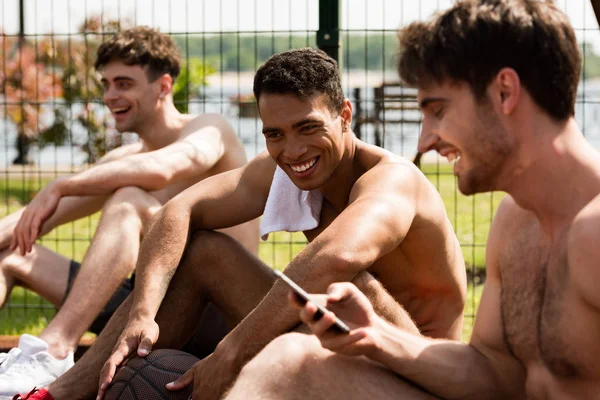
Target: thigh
(215, 269)
(296, 366)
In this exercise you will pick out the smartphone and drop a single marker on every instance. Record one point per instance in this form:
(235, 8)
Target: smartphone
(338, 325)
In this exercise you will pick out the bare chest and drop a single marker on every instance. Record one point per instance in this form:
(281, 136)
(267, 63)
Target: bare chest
(543, 322)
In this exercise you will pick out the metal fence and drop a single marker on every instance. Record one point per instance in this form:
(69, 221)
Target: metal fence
(59, 129)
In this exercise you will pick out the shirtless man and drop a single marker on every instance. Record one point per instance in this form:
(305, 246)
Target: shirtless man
(379, 217)
(129, 185)
(497, 83)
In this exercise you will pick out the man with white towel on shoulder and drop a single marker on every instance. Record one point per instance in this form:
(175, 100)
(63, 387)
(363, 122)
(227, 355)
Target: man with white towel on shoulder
(370, 217)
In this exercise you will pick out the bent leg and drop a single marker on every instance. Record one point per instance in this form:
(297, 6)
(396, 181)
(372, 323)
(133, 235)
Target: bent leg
(295, 366)
(215, 268)
(110, 258)
(41, 271)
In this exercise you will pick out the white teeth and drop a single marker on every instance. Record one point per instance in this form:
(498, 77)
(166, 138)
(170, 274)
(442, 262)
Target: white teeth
(119, 109)
(455, 156)
(303, 167)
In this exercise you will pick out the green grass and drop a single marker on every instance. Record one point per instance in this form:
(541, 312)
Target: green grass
(27, 312)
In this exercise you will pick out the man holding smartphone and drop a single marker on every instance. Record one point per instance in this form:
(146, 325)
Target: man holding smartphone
(370, 217)
(497, 83)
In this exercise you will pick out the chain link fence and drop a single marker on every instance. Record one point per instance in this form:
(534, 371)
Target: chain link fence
(53, 121)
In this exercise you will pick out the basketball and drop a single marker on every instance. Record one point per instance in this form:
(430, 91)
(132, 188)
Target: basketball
(146, 377)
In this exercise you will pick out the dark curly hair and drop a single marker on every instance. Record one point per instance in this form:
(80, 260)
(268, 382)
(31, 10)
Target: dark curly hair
(472, 41)
(302, 72)
(142, 46)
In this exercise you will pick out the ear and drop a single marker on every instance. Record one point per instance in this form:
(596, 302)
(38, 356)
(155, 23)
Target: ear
(507, 90)
(347, 114)
(166, 85)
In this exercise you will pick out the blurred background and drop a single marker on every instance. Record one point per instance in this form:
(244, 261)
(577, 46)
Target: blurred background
(53, 122)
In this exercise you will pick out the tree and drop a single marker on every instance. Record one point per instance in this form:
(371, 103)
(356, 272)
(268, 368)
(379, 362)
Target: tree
(25, 84)
(51, 87)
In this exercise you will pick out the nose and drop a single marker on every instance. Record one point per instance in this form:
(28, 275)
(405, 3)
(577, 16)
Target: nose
(427, 139)
(295, 148)
(109, 95)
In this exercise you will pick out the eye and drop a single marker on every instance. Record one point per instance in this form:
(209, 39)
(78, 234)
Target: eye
(438, 112)
(308, 128)
(124, 85)
(272, 135)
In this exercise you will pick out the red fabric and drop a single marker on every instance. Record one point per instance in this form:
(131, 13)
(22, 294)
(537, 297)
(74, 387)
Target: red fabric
(35, 394)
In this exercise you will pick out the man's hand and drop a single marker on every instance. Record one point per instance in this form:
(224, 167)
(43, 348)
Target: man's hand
(36, 213)
(345, 301)
(140, 334)
(211, 377)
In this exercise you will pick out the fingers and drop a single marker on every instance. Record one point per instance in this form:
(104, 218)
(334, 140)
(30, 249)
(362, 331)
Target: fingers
(317, 322)
(295, 300)
(34, 231)
(185, 380)
(340, 291)
(145, 346)
(110, 366)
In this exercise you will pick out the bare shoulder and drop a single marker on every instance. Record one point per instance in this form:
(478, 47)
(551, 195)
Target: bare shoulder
(259, 171)
(383, 170)
(208, 123)
(584, 252)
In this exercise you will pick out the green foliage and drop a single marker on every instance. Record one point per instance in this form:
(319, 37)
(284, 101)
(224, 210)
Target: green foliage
(591, 61)
(190, 82)
(246, 52)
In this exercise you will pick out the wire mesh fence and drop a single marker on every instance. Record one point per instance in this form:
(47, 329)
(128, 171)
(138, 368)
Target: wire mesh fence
(53, 120)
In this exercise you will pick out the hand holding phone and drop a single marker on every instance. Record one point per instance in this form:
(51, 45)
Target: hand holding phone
(301, 295)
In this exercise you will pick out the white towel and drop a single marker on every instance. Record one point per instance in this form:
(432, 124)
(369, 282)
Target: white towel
(290, 208)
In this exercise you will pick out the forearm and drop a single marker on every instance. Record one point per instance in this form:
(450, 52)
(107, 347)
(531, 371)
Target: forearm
(160, 254)
(274, 316)
(68, 209)
(105, 178)
(71, 209)
(445, 368)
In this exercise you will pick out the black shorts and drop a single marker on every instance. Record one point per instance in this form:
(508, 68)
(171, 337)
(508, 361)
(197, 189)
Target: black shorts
(120, 295)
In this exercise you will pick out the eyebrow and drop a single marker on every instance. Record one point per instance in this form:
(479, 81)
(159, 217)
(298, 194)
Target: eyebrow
(428, 100)
(295, 125)
(307, 121)
(118, 78)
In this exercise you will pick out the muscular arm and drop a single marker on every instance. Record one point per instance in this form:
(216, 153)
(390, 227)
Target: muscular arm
(381, 210)
(454, 370)
(199, 151)
(206, 205)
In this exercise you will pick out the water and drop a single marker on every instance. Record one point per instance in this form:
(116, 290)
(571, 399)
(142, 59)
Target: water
(400, 139)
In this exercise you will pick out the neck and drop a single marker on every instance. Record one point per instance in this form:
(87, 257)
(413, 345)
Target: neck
(164, 128)
(338, 187)
(555, 178)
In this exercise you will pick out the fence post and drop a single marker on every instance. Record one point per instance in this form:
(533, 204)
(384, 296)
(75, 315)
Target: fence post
(328, 35)
(23, 142)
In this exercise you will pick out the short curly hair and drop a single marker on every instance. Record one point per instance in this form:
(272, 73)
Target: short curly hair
(301, 72)
(143, 46)
(473, 40)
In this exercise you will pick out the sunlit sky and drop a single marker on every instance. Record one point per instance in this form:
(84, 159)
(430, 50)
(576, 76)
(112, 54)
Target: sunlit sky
(64, 16)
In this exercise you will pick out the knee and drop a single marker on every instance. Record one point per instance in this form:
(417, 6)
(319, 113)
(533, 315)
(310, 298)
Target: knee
(206, 246)
(288, 357)
(132, 201)
(12, 264)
